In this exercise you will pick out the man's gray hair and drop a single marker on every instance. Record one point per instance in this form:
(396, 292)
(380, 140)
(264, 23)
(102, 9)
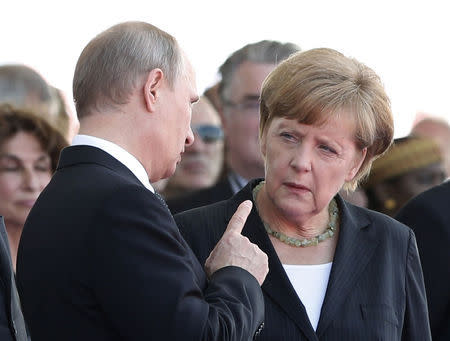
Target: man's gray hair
(117, 61)
(23, 87)
(264, 52)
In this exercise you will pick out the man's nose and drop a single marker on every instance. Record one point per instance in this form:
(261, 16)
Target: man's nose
(189, 138)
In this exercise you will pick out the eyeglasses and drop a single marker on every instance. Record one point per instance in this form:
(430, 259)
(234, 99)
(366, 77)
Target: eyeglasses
(247, 106)
(208, 133)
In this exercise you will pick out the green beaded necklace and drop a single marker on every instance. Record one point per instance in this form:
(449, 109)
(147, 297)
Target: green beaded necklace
(333, 211)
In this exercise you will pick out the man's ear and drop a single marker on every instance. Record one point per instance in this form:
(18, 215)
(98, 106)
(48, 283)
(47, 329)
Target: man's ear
(357, 164)
(152, 87)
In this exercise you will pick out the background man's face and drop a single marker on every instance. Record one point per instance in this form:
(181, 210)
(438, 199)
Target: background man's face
(241, 119)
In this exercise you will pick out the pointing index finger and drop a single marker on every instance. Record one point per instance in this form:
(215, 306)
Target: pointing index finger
(239, 218)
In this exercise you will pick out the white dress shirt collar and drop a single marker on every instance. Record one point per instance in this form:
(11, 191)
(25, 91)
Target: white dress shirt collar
(118, 153)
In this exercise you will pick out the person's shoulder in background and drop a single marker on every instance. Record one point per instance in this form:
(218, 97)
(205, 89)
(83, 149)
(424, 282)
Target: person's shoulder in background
(220, 191)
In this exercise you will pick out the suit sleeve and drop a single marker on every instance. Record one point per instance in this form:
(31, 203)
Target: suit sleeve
(152, 287)
(416, 324)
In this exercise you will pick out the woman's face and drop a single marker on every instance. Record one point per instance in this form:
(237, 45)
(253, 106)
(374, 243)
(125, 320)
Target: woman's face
(25, 169)
(307, 165)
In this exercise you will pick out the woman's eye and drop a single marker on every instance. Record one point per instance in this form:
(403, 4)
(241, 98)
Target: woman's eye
(287, 136)
(328, 149)
(42, 167)
(9, 168)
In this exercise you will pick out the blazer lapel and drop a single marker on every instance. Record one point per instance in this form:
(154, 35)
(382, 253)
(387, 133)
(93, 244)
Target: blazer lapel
(276, 285)
(354, 250)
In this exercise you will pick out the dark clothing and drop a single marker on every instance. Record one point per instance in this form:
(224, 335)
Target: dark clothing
(375, 290)
(101, 258)
(428, 215)
(220, 191)
(12, 325)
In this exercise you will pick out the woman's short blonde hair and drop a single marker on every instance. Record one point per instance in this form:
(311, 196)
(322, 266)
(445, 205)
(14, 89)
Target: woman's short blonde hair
(316, 85)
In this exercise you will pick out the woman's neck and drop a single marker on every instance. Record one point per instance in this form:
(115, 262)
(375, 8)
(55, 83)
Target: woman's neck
(306, 226)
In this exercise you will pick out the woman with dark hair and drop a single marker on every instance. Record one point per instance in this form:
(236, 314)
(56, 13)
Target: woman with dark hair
(29, 153)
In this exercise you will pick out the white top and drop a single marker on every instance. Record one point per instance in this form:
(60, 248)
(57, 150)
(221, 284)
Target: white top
(310, 282)
(118, 153)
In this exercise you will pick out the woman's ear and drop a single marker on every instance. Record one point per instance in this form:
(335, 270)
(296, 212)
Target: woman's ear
(152, 87)
(359, 158)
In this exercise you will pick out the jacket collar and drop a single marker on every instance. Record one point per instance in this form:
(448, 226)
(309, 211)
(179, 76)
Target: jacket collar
(355, 247)
(82, 154)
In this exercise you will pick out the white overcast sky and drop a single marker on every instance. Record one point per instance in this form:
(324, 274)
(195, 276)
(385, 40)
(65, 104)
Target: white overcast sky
(405, 42)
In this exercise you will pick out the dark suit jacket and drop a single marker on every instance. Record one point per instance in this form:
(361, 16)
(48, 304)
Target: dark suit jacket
(12, 325)
(220, 191)
(428, 215)
(375, 290)
(101, 258)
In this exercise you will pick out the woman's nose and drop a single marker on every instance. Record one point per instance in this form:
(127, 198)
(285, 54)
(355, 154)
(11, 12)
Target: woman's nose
(301, 159)
(31, 180)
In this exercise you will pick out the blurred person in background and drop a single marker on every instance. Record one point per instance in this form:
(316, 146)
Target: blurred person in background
(411, 166)
(212, 93)
(202, 162)
(66, 118)
(439, 130)
(242, 75)
(24, 88)
(29, 153)
(428, 215)
(12, 324)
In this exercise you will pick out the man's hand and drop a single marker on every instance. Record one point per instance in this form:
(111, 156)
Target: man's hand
(235, 249)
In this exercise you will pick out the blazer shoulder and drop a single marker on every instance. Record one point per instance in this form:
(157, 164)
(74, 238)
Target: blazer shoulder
(381, 224)
(198, 220)
(203, 227)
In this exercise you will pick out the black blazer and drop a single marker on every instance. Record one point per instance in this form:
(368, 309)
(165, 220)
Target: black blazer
(375, 290)
(220, 191)
(12, 325)
(101, 258)
(428, 215)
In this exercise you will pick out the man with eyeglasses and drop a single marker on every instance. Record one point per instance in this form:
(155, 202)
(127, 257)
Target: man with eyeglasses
(242, 76)
(202, 162)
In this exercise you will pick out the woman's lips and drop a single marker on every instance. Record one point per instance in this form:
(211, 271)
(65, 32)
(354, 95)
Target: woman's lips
(296, 187)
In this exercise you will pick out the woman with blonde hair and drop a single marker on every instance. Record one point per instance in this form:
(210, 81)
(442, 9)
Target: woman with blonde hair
(336, 271)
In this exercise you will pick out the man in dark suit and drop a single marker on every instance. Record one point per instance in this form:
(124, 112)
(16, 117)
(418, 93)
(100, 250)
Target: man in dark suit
(242, 76)
(428, 215)
(12, 325)
(101, 257)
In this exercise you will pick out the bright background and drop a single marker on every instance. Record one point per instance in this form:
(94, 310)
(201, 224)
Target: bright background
(405, 42)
